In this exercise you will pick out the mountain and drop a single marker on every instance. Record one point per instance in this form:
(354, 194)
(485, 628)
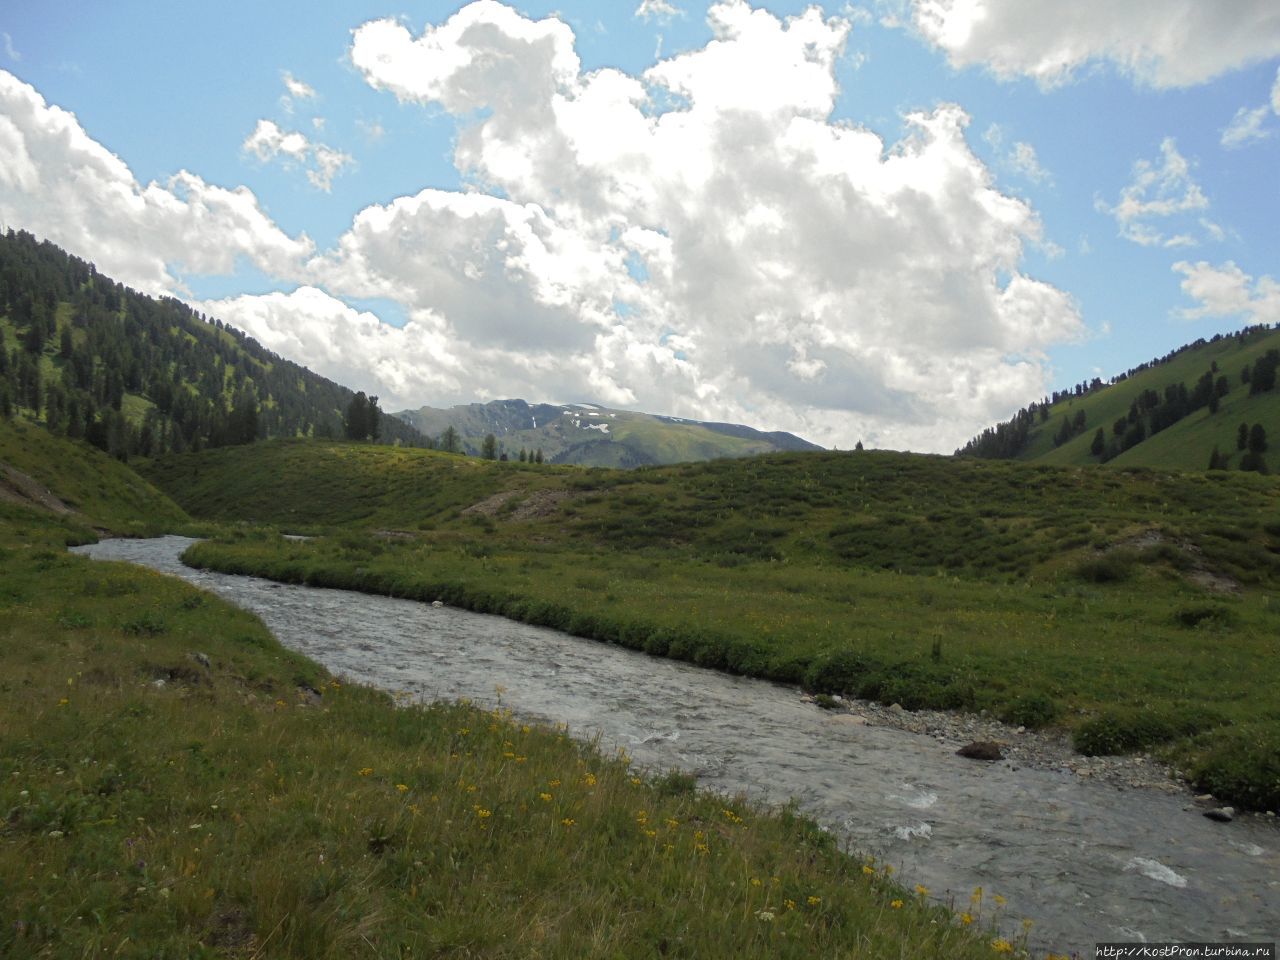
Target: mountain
(592, 435)
(140, 376)
(1173, 412)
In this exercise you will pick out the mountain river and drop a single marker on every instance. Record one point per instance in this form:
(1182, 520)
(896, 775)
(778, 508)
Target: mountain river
(1085, 861)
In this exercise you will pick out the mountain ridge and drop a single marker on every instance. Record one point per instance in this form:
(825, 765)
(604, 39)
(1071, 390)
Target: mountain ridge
(590, 434)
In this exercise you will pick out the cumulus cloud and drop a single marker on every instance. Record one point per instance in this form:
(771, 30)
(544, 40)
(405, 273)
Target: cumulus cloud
(1228, 293)
(1161, 43)
(322, 163)
(298, 89)
(61, 184)
(350, 346)
(703, 239)
(1163, 206)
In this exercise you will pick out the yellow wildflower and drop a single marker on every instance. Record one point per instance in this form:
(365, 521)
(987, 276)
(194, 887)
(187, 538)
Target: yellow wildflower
(364, 771)
(568, 821)
(966, 918)
(922, 890)
(1001, 945)
(544, 797)
(402, 787)
(814, 901)
(896, 904)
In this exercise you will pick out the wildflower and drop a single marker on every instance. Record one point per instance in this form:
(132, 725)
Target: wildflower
(966, 918)
(814, 901)
(1000, 901)
(1001, 945)
(764, 916)
(364, 771)
(789, 904)
(671, 822)
(922, 890)
(402, 787)
(56, 834)
(869, 871)
(544, 797)
(589, 780)
(483, 814)
(635, 781)
(651, 834)
(568, 821)
(701, 848)
(976, 896)
(553, 783)
(896, 904)
(63, 702)
(1027, 924)
(281, 703)
(756, 882)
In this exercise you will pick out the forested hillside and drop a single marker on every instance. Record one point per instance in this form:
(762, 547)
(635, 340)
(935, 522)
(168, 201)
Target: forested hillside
(1209, 405)
(135, 375)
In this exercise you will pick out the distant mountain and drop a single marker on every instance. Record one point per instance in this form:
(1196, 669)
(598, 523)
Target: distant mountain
(592, 435)
(1198, 404)
(139, 376)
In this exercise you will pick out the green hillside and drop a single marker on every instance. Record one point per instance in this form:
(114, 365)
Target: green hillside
(588, 434)
(137, 376)
(1185, 444)
(76, 485)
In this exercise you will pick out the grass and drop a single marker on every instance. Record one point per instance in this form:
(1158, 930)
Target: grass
(1043, 595)
(175, 784)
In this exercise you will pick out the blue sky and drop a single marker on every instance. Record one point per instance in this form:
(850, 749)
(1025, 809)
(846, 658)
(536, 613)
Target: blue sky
(894, 222)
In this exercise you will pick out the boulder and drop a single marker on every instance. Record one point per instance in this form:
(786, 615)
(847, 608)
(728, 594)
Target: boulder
(981, 750)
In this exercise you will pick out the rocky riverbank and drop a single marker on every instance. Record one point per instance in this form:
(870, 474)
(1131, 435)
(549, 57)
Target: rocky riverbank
(1037, 749)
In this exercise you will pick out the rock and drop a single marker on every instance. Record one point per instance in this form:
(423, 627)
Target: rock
(1204, 798)
(848, 719)
(202, 659)
(981, 750)
(896, 708)
(1221, 814)
(437, 603)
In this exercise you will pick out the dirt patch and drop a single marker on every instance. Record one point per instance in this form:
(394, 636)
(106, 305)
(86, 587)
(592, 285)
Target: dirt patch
(540, 503)
(1196, 571)
(18, 487)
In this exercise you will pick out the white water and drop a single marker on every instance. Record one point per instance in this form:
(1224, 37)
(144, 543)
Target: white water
(1085, 861)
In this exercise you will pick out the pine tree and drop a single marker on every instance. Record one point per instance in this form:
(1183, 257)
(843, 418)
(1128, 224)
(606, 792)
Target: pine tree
(489, 450)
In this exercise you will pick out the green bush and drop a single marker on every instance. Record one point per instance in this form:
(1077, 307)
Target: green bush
(841, 672)
(1241, 765)
(1113, 567)
(1126, 730)
(1031, 710)
(1214, 615)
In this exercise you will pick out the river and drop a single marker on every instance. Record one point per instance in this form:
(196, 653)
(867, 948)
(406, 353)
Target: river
(1085, 861)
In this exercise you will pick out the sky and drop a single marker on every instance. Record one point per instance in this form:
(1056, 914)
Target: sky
(894, 222)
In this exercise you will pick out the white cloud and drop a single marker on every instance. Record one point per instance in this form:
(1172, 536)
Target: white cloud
(797, 272)
(1247, 126)
(297, 89)
(1163, 196)
(1162, 43)
(1227, 292)
(660, 10)
(321, 163)
(60, 184)
(1021, 157)
(10, 50)
(353, 347)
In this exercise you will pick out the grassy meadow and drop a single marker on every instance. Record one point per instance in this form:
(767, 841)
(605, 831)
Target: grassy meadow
(174, 784)
(1138, 608)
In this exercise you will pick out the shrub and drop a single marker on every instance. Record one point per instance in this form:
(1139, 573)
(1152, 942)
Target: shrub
(1112, 567)
(1032, 710)
(1126, 730)
(841, 672)
(1241, 765)
(1211, 614)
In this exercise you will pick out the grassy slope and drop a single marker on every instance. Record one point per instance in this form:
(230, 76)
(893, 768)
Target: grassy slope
(1187, 444)
(100, 490)
(247, 805)
(1047, 593)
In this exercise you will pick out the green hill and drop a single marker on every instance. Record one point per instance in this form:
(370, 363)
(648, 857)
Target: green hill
(591, 435)
(1165, 424)
(139, 376)
(76, 485)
